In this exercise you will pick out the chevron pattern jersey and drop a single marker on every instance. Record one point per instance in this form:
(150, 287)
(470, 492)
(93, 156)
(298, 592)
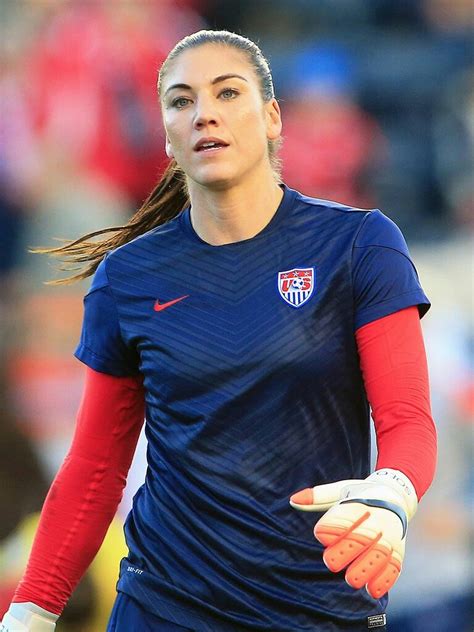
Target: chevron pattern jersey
(253, 391)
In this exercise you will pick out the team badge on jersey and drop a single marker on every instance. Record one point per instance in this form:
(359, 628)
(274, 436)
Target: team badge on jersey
(296, 286)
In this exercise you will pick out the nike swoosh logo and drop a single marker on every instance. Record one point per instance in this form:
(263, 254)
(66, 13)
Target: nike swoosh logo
(160, 306)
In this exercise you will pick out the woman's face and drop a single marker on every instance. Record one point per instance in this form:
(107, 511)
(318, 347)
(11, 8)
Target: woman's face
(211, 93)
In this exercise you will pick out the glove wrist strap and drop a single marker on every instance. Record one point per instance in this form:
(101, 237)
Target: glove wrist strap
(399, 483)
(25, 611)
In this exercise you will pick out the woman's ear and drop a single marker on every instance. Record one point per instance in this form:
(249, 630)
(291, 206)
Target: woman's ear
(274, 125)
(169, 151)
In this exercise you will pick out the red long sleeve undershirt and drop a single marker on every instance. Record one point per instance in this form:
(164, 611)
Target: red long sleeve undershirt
(87, 489)
(86, 492)
(394, 368)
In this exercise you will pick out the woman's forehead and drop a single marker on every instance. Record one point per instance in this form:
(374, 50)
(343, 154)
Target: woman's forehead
(204, 63)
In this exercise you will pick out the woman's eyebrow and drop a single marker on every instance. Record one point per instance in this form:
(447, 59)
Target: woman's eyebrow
(184, 86)
(230, 75)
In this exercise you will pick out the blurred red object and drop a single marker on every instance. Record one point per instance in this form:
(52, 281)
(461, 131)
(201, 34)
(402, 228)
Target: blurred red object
(329, 144)
(92, 73)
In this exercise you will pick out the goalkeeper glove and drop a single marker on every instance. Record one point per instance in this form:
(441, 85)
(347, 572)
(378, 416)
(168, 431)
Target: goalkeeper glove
(364, 526)
(28, 617)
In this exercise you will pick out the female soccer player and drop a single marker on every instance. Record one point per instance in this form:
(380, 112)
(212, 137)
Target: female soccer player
(254, 325)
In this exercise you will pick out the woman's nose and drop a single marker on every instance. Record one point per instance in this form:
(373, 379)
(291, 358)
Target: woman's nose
(205, 114)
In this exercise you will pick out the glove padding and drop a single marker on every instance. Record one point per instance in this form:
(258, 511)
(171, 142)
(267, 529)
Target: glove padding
(28, 617)
(364, 526)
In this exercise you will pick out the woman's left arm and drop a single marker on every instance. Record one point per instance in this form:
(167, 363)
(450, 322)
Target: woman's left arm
(365, 524)
(395, 372)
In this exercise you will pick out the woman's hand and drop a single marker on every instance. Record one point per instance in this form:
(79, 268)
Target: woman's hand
(364, 526)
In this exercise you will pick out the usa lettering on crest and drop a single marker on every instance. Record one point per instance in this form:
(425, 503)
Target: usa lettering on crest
(296, 286)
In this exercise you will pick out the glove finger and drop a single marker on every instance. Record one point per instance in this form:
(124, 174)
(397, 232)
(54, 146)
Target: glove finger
(341, 538)
(355, 533)
(368, 565)
(321, 497)
(345, 550)
(303, 498)
(340, 521)
(381, 583)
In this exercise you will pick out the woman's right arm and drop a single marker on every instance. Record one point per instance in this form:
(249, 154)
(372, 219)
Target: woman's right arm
(83, 498)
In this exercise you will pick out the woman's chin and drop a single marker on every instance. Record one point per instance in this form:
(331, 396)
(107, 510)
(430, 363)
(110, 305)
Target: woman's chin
(215, 181)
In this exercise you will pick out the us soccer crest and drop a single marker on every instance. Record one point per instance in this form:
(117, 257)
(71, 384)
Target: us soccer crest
(296, 286)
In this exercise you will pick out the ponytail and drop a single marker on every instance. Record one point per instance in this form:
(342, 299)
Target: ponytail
(165, 202)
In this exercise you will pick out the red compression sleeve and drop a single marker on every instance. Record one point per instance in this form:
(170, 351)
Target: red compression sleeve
(85, 494)
(394, 368)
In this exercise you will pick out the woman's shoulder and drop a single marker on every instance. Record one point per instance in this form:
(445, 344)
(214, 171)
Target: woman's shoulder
(331, 205)
(139, 253)
(374, 225)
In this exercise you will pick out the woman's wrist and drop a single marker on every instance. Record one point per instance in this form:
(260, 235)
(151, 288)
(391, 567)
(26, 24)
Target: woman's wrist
(28, 617)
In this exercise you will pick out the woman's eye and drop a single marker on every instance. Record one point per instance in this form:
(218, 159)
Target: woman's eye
(229, 93)
(179, 102)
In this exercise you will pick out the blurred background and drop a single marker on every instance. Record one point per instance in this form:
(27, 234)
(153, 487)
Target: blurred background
(378, 109)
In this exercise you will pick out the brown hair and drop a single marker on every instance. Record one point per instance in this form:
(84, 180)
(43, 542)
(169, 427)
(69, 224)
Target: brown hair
(170, 195)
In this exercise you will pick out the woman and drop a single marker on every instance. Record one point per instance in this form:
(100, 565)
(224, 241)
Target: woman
(253, 323)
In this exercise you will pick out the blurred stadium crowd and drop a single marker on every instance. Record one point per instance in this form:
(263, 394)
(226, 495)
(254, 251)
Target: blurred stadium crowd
(378, 110)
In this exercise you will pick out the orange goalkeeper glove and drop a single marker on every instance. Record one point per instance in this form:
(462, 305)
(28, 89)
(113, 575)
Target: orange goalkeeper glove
(364, 526)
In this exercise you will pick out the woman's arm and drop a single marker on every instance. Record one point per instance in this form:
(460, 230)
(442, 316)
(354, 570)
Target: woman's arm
(86, 492)
(365, 524)
(394, 368)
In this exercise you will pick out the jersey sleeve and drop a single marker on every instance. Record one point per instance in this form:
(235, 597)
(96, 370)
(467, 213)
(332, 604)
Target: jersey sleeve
(101, 346)
(385, 279)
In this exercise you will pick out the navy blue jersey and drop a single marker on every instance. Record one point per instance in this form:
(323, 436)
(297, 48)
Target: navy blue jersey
(128, 616)
(253, 391)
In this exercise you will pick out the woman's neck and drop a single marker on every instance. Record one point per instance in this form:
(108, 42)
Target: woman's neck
(233, 214)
